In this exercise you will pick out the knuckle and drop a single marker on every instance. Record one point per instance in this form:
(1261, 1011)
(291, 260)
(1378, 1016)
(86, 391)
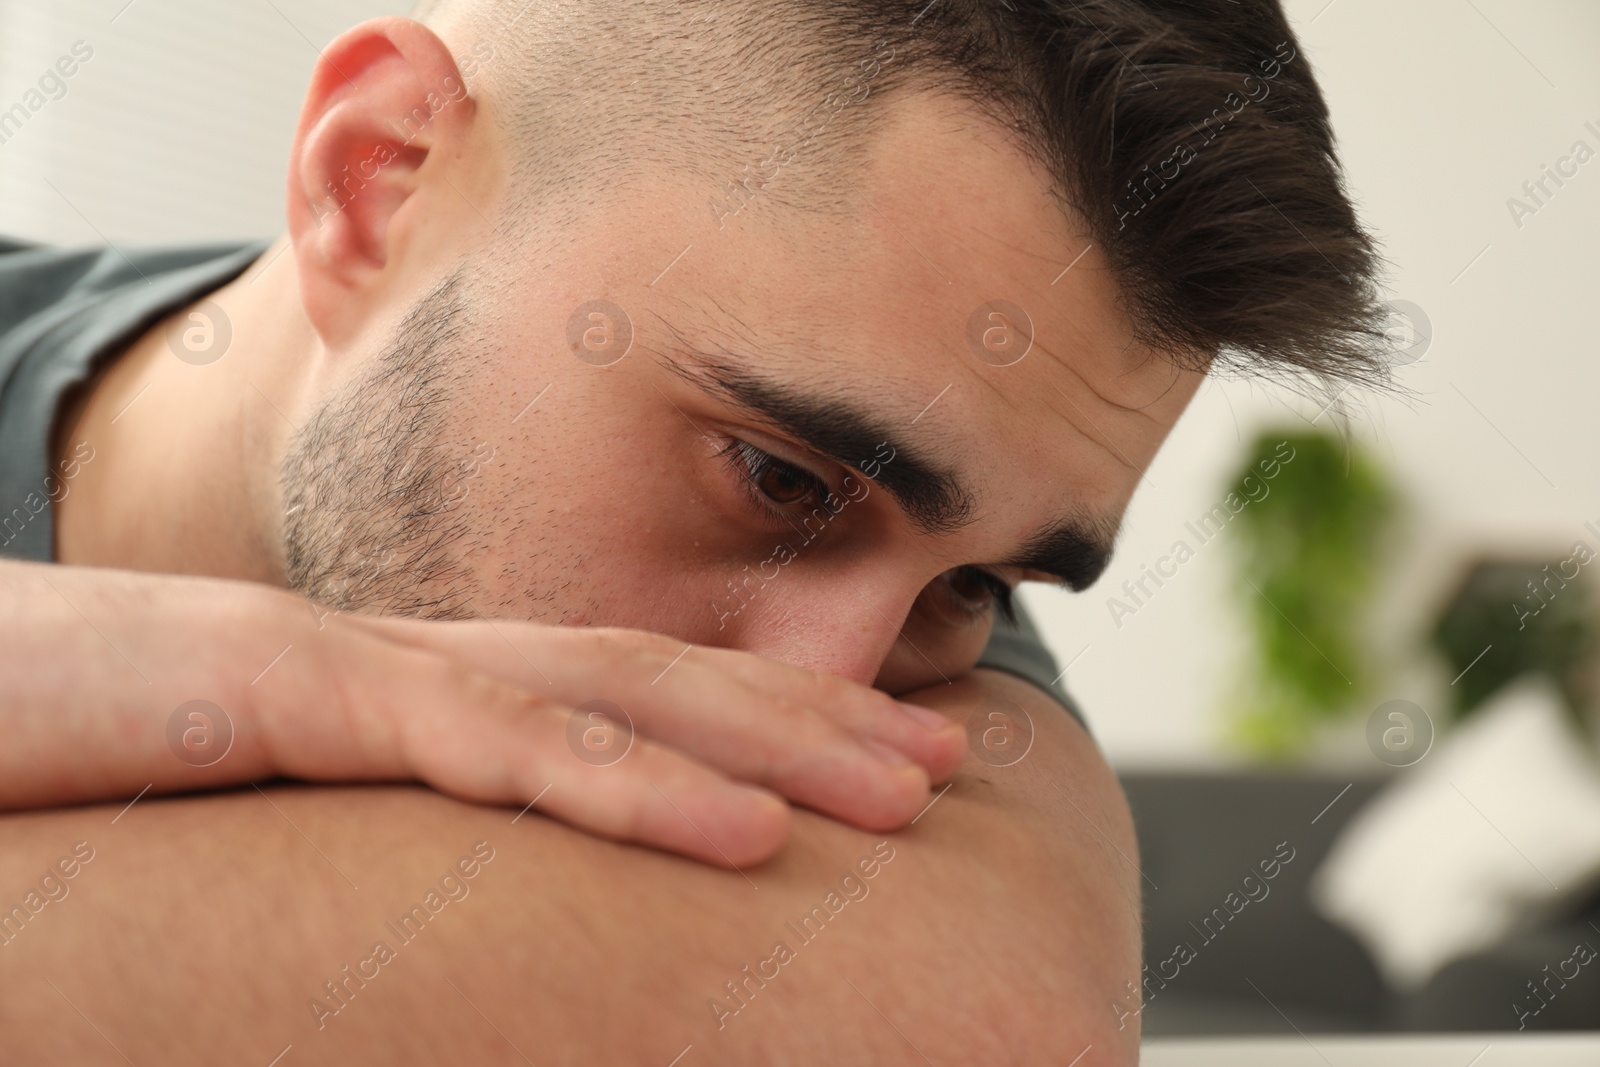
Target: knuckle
(833, 693)
(790, 711)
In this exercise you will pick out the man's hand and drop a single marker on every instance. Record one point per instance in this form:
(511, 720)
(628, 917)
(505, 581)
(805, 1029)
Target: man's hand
(99, 669)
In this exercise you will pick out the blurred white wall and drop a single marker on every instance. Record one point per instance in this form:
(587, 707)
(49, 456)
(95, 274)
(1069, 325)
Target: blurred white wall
(178, 127)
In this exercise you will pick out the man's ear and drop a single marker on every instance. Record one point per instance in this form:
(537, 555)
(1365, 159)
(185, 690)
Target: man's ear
(386, 98)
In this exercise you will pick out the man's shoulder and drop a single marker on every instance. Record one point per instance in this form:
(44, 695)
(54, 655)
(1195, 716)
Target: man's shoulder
(64, 312)
(36, 277)
(33, 277)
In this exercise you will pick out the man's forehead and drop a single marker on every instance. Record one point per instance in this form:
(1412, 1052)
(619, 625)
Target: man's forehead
(945, 221)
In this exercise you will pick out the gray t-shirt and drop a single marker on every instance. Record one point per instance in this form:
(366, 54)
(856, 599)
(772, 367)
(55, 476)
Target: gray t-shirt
(64, 312)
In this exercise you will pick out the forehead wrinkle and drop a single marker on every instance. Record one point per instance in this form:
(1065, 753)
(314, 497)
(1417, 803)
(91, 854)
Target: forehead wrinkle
(1172, 383)
(1105, 443)
(983, 380)
(1052, 260)
(1119, 456)
(1107, 439)
(1087, 384)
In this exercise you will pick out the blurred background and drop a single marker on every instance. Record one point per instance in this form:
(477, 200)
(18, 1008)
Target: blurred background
(1359, 636)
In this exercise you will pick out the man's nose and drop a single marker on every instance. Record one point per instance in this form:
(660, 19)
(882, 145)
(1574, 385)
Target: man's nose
(846, 625)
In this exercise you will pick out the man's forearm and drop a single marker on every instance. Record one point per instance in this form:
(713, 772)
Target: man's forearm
(999, 931)
(113, 682)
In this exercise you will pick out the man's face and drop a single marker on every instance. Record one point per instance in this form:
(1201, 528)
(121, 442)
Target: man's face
(816, 447)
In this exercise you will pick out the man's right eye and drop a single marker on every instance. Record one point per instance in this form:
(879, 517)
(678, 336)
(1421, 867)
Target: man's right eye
(968, 593)
(773, 484)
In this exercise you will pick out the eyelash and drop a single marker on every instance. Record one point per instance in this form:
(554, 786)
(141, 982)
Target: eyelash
(1004, 601)
(748, 463)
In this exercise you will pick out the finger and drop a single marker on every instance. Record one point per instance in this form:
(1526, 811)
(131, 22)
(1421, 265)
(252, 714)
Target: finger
(930, 738)
(765, 736)
(404, 715)
(508, 752)
(565, 662)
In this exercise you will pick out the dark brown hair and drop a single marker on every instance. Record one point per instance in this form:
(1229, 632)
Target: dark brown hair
(1192, 137)
(1189, 134)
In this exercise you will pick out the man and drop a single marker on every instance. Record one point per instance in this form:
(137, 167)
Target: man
(641, 396)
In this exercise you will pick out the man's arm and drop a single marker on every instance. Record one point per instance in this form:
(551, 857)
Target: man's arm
(1001, 927)
(113, 681)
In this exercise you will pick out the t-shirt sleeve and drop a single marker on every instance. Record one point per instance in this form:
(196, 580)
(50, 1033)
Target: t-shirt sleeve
(1018, 649)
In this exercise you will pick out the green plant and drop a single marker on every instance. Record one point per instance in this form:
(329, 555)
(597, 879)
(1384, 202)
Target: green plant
(1307, 556)
(1510, 617)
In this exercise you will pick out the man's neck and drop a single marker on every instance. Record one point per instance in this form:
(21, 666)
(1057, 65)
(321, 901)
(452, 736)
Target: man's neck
(183, 478)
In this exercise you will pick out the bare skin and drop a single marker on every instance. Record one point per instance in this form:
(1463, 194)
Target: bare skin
(1000, 932)
(117, 701)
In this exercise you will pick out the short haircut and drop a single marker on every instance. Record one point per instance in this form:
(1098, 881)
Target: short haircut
(1190, 135)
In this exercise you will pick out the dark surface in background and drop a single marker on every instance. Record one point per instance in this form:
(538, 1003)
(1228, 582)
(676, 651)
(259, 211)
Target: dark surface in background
(1277, 966)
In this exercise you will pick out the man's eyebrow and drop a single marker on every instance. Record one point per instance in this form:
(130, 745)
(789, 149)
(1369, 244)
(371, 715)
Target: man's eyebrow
(1075, 549)
(834, 426)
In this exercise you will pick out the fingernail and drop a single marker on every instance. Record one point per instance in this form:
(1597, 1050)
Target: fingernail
(925, 717)
(763, 798)
(892, 756)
